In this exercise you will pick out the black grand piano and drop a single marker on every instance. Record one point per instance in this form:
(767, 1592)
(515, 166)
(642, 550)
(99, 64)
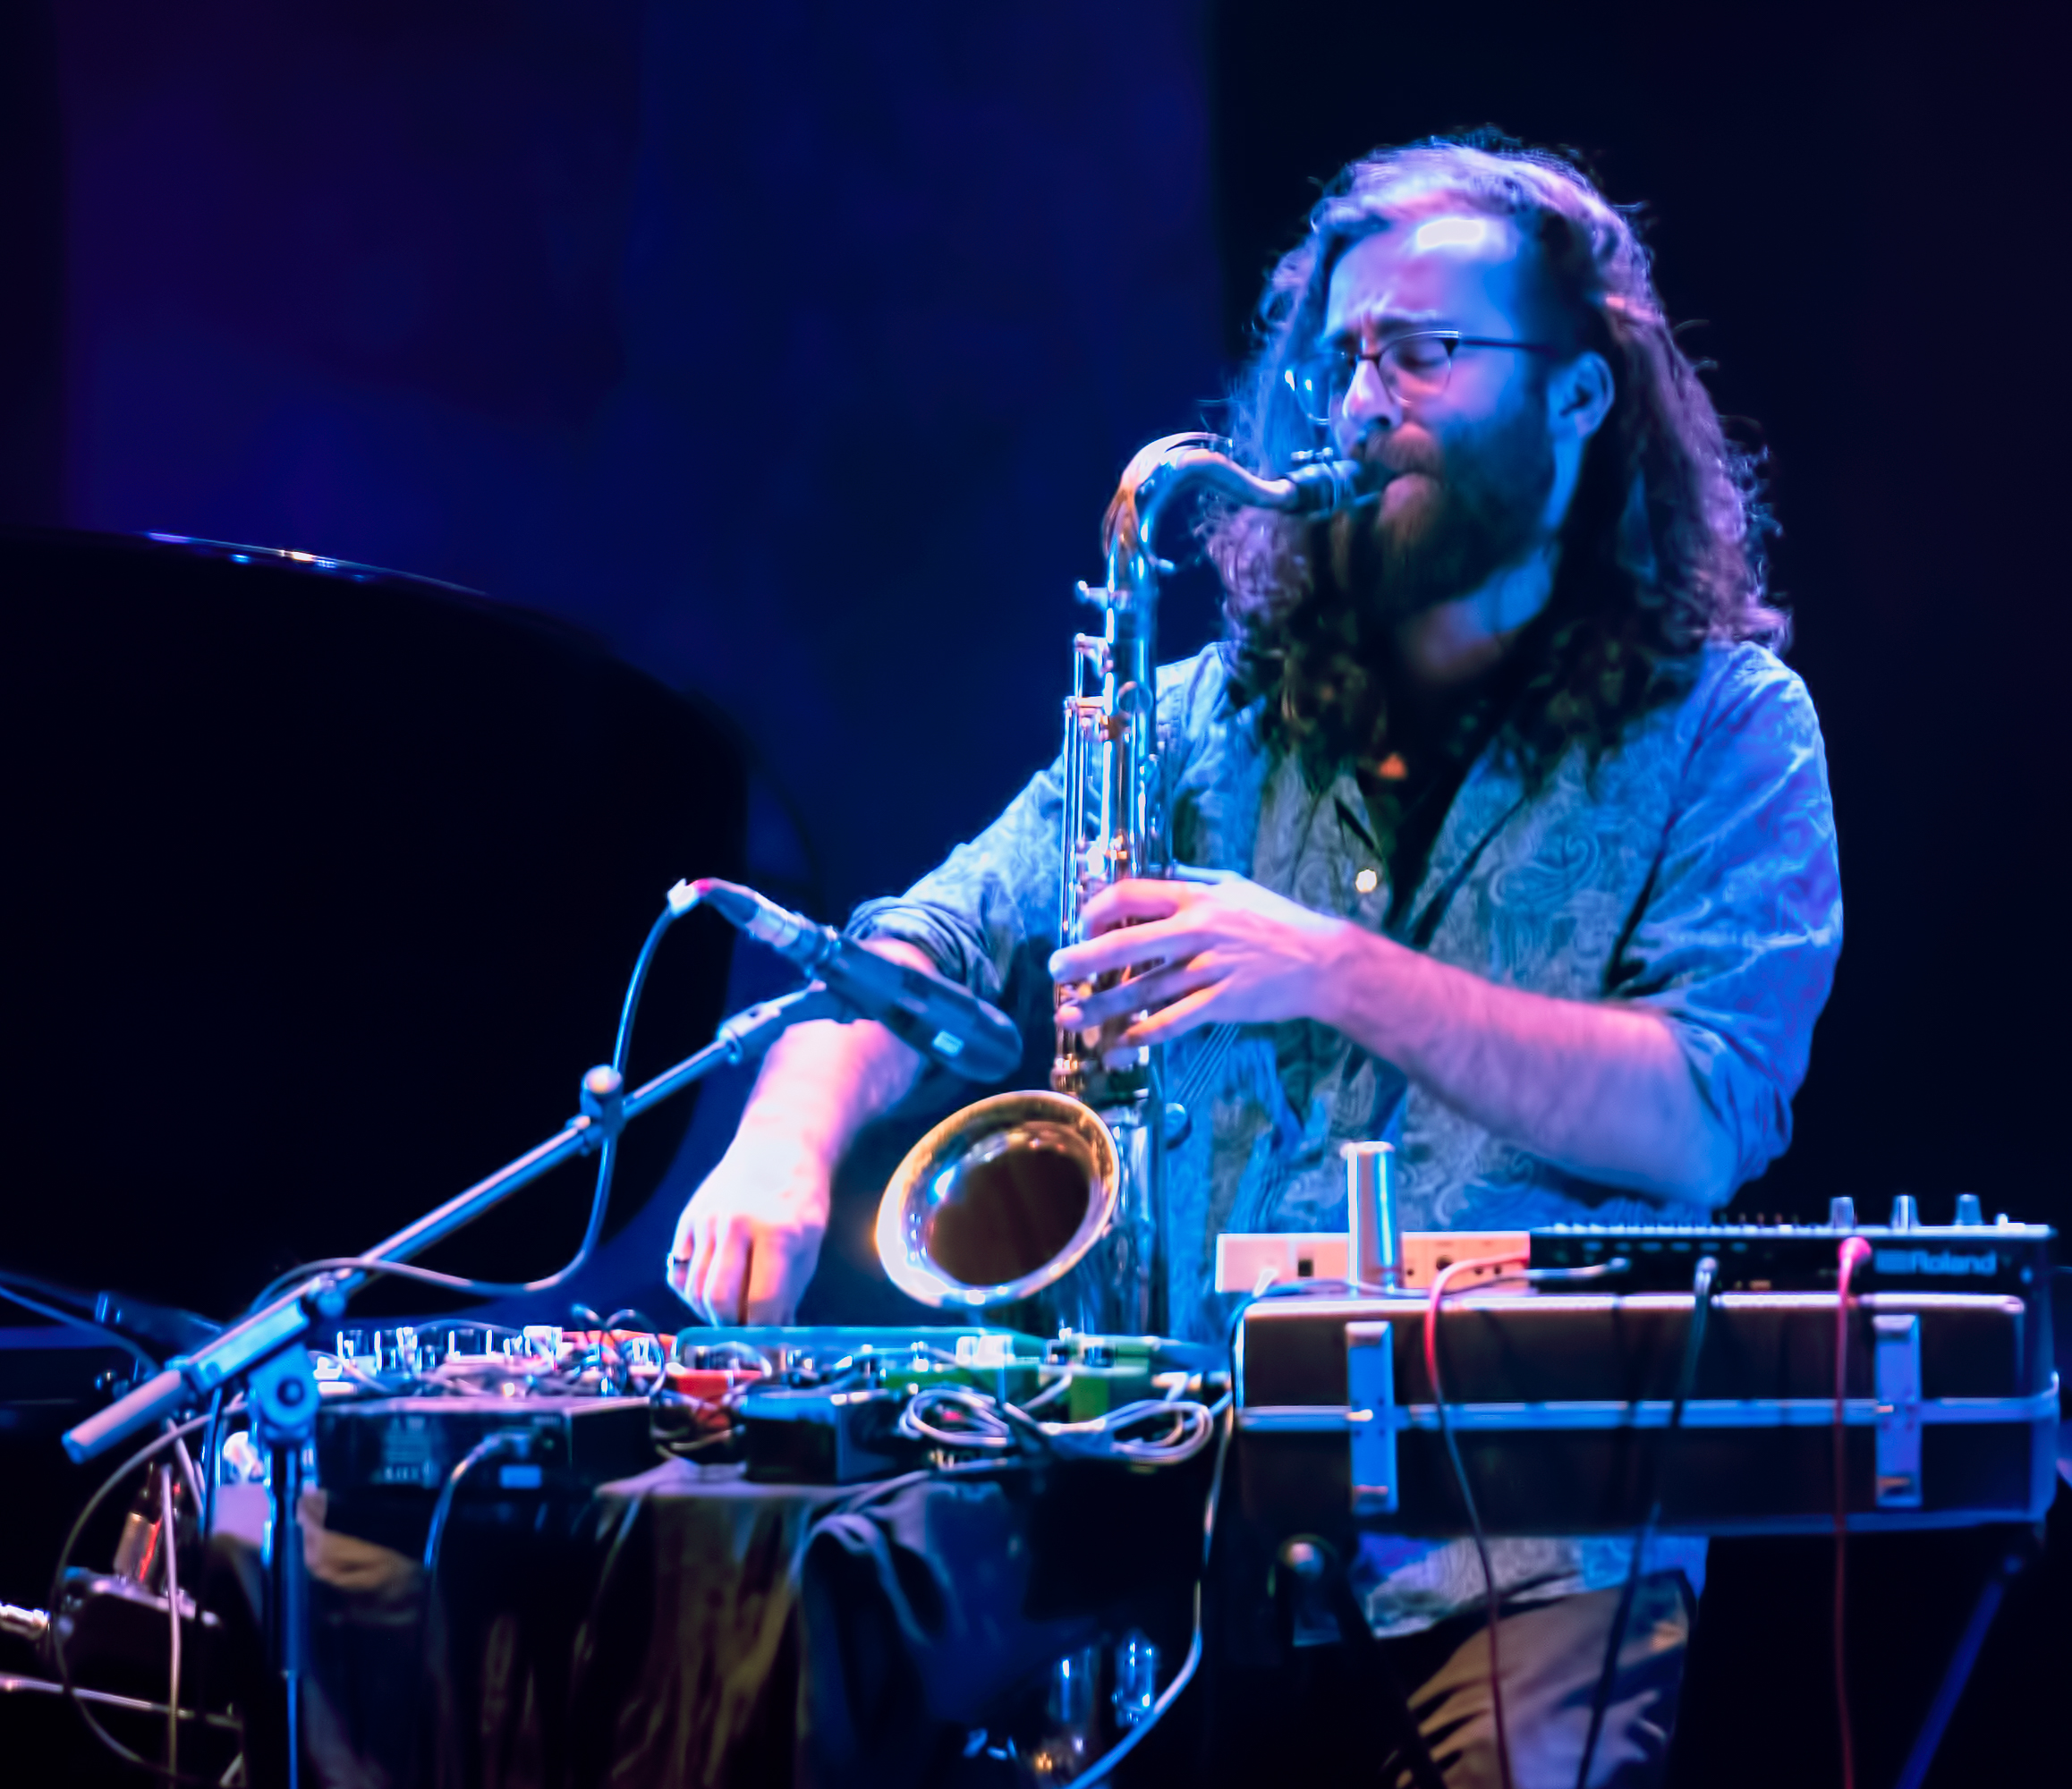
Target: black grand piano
(322, 883)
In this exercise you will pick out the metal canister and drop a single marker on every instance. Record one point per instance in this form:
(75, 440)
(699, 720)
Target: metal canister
(1371, 1256)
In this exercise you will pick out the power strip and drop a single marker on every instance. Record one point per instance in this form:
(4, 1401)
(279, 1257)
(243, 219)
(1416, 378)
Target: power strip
(1245, 1261)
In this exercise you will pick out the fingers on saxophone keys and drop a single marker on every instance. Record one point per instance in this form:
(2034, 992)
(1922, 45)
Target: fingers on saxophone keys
(1092, 1010)
(1170, 1021)
(1135, 899)
(1110, 1008)
(1113, 950)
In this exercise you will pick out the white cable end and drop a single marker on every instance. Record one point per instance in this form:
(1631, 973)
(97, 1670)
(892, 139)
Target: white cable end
(683, 897)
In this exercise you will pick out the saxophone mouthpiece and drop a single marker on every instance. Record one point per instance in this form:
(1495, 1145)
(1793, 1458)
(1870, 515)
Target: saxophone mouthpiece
(1326, 483)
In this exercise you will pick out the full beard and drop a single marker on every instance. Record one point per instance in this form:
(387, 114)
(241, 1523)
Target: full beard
(1479, 512)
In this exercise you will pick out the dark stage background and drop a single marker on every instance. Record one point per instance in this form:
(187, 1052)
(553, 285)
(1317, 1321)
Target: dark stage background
(794, 350)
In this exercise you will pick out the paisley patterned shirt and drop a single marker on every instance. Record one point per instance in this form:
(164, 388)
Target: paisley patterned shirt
(1693, 871)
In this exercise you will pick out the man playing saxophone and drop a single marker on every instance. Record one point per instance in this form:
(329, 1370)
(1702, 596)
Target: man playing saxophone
(1525, 853)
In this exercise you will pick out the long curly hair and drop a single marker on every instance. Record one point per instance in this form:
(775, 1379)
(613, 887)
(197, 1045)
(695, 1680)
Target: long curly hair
(1663, 547)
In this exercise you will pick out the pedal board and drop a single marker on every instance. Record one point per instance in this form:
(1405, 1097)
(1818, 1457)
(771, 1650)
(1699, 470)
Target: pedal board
(413, 1443)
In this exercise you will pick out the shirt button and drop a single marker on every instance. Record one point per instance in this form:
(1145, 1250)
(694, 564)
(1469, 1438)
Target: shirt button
(1367, 881)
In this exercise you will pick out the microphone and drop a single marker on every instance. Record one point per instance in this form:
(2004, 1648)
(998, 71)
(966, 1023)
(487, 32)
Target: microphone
(945, 1022)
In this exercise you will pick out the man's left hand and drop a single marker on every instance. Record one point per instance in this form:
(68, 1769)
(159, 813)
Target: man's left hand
(1219, 948)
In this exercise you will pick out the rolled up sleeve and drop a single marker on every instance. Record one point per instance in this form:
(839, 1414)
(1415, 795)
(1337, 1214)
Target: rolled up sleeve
(990, 900)
(1741, 924)
(991, 911)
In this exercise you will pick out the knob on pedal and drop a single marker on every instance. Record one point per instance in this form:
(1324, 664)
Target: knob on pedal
(1905, 1215)
(1969, 1209)
(1841, 1212)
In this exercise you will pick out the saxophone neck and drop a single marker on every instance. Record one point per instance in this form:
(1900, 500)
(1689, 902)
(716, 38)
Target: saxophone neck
(1147, 483)
(1179, 466)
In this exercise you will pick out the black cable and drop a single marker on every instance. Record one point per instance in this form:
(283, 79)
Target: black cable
(1171, 1694)
(1226, 1411)
(683, 1450)
(211, 1465)
(1854, 1252)
(441, 1512)
(1702, 1282)
(994, 1425)
(583, 1650)
(599, 1201)
(170, 1538)
(443, 1509)
(1016, 1421)
(445, 1326)
(473, 1288)
(1492, 1601)
(623, 1042)
(1417, 1755)
(72, 1321)
(1355, 1628)
(600, 1197)
(143, 1455)
(401, 1271)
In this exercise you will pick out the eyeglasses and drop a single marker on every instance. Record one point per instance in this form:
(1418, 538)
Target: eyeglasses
(1411, 368)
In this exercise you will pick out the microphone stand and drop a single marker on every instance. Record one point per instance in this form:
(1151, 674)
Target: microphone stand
(265, 1349)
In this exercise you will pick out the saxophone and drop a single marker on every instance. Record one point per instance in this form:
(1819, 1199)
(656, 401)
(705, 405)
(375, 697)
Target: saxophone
(1049, 1200)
